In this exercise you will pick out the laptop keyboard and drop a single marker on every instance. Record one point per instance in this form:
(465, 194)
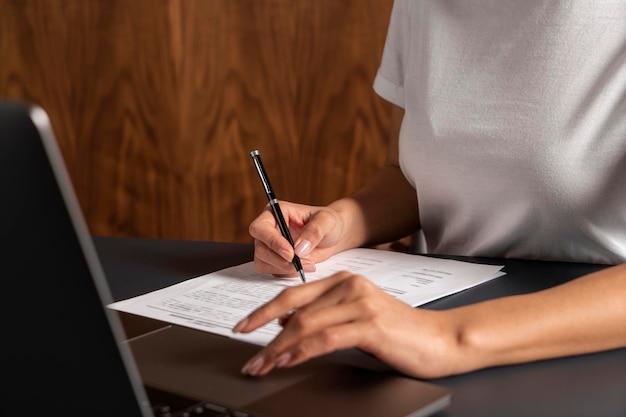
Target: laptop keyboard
(200, 409)
(165, 404)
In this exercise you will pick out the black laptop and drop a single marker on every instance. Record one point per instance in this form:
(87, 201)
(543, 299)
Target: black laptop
(64, 353)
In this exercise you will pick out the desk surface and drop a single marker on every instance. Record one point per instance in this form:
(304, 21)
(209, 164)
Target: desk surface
(587, 385)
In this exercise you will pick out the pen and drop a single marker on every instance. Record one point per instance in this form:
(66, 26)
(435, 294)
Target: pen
(278, 214)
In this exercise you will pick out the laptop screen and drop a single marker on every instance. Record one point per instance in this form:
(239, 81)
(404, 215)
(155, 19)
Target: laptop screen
(61, 349)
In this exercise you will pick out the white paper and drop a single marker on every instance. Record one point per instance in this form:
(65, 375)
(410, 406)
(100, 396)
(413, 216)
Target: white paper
(217, 301)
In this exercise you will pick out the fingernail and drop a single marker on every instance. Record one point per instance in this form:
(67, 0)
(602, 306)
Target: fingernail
(307, 265)
(239, 326)
(303, 248)
(283, 360)
(253, 366)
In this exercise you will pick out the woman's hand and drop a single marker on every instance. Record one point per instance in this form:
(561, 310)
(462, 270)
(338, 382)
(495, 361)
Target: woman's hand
(344, 311)
(316, 232)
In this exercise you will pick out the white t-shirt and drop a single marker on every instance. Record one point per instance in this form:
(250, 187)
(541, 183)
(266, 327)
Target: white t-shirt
(514, 133)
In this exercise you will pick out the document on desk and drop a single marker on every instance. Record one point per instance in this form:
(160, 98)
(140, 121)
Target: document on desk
(217, 301)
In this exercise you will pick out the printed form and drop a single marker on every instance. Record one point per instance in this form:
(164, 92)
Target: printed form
(217, 301)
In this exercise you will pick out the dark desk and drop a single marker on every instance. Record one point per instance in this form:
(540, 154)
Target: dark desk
(588, 385)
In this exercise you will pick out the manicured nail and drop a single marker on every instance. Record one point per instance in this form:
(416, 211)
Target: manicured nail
(253, 366)
(308, 265)
(283, 360)
(303, 248)
(240, 326)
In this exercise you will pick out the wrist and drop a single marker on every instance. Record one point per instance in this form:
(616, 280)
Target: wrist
(429, 345)
(350, 216)
(455, 347)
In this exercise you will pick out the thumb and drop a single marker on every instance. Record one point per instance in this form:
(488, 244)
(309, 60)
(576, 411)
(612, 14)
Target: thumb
(319, 228)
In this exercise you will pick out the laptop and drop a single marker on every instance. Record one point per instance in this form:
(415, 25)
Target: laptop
(65, 353)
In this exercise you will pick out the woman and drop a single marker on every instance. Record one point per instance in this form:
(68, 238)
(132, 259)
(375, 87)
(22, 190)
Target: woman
(508, 140)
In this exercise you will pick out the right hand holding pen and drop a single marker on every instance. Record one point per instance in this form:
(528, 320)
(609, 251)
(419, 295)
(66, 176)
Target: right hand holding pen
(316, 232)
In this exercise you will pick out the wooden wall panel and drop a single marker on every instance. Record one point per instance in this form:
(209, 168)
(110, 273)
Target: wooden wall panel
(157, 104)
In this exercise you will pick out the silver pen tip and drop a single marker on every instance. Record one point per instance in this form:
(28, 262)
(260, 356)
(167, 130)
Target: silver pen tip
(301, 273)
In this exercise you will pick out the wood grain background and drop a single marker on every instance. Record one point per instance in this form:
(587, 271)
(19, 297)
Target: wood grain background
(156, 104)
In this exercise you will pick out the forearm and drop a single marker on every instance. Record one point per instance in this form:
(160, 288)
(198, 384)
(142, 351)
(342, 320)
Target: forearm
(347, 310)
(582, 316)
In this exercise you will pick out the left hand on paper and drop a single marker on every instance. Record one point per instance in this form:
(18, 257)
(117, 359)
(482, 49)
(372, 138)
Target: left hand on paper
(344, 311)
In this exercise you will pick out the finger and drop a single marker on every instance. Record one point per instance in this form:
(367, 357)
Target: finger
(284, 319)
(307, 321)
(340, 305)
(344, 336)
(267, 261)
(288, 300)
(347, 287)
(350, 299)
(326, 299)
(319, 226)
(265, 230)
(327, 340)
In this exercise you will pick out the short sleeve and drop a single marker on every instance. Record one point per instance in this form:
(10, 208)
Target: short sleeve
(389, 81)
